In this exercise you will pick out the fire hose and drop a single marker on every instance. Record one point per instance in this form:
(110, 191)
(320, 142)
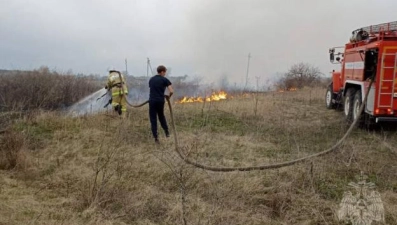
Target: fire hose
(260, 167)
(125, 96)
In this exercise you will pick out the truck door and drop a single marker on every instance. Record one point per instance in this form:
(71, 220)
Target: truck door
(370, 63)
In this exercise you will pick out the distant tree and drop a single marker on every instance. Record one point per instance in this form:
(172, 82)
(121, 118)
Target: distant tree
(300, 75)
(44, 69)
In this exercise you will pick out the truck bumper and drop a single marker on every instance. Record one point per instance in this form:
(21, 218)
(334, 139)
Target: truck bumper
(386, 119)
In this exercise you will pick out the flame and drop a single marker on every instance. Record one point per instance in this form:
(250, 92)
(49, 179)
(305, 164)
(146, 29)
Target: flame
(191, 99)
(221, 95)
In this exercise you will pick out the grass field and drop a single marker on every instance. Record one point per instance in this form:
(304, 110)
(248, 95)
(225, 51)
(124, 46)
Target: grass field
(98, 169)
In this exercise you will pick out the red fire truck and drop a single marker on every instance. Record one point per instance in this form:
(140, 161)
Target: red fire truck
(370, 54)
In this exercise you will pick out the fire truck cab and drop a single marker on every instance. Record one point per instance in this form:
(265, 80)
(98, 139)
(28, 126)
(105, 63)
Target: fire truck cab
(370, 54)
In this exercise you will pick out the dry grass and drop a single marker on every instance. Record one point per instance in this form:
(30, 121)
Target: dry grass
(101, 170)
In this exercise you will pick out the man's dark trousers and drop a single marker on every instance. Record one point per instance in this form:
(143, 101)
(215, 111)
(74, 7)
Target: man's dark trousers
(156, 108)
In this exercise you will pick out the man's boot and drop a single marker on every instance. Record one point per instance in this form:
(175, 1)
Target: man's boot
(119, 110)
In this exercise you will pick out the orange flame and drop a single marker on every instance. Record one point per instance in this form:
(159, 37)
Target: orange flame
(221, 95)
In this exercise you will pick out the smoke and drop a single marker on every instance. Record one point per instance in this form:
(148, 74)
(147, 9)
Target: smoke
(277, 33)
(196, 37)
(226, 32)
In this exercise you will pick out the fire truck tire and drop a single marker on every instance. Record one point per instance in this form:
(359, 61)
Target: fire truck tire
(329, 96)
(348, 104)
(356, 106)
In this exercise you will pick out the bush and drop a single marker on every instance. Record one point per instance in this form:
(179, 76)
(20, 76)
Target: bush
(11, 154)
(300, 75)
(42, 88)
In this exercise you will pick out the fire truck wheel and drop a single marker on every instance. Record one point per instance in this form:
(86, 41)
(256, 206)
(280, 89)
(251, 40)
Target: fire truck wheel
(357, 104)
(348, 104)
(329, 96)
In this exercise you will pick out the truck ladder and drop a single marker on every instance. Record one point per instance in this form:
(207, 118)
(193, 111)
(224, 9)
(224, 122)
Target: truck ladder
(383, 81)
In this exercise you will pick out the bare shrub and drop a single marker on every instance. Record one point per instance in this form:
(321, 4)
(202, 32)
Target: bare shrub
(42, 88)
(96, 188)
(11, 150)
(300, 75)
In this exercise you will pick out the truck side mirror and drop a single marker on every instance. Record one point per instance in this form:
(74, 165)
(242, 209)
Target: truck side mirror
(331, 54)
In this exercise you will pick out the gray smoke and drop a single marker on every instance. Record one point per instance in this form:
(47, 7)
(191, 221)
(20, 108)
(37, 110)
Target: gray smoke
(206, 38)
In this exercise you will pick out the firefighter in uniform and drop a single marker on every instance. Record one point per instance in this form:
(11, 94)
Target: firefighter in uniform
(118, 88)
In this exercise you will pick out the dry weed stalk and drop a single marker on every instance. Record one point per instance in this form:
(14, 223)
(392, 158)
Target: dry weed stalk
(12, 152)
(178, 172)
(99, 183)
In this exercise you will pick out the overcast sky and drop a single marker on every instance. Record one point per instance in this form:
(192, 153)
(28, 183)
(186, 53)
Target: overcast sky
(207, 38)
